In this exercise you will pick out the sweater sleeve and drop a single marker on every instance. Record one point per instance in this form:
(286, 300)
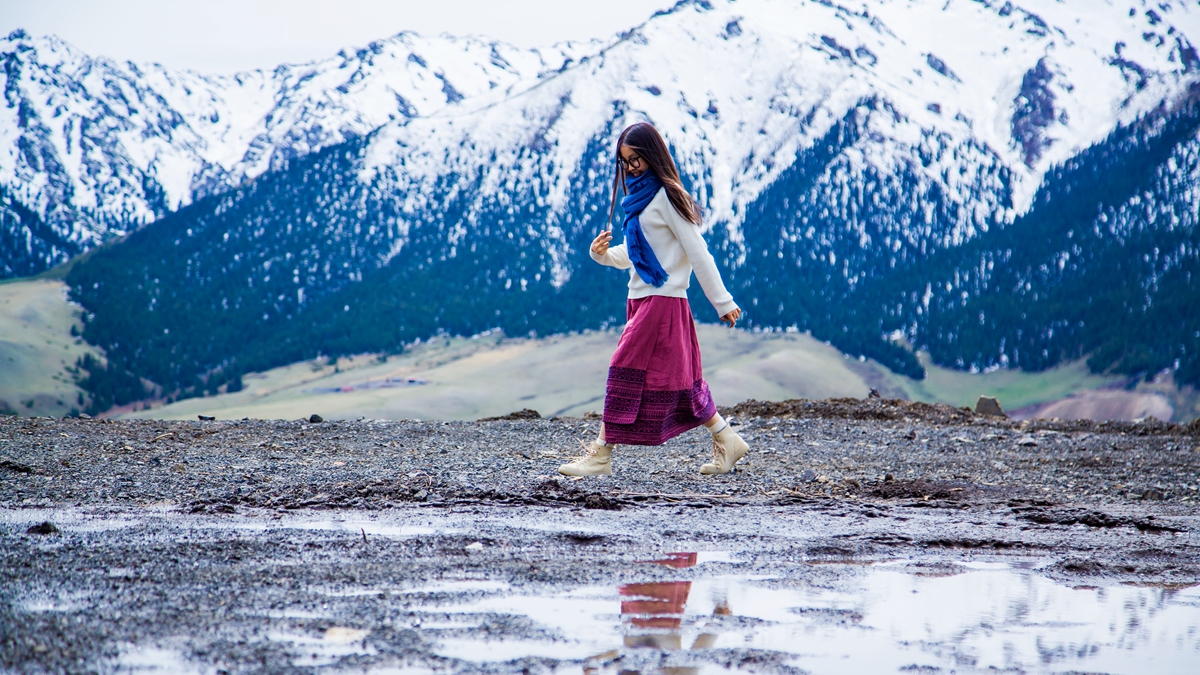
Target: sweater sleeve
(617, 256)
(688, 235)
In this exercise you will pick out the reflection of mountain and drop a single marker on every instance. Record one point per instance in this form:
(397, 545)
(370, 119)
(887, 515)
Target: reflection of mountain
(901, 618)
(992, 182)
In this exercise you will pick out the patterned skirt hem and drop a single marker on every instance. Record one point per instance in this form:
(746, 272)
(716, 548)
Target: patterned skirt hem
(658, 416)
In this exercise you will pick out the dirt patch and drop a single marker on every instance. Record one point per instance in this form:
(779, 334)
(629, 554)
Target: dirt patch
(522, 414)
(854, 409)
(15, 467)
(1091, 518)
(898, 410)
(1103, 404)
(922, 489)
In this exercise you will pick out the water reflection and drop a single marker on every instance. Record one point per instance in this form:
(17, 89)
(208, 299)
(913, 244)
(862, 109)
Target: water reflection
(833, 619)
(653, 614)
(943, 615)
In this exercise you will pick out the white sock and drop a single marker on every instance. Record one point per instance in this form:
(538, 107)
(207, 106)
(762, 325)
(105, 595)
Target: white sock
(715, 425)
(600, 436)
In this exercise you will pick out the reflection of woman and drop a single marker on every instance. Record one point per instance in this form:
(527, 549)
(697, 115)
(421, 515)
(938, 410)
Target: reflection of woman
(659, 606)
(656, 389)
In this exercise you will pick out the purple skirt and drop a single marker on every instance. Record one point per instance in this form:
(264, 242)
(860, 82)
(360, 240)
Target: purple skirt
(656, 388)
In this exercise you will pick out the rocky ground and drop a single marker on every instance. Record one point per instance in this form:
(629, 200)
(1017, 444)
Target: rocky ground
(206, 541)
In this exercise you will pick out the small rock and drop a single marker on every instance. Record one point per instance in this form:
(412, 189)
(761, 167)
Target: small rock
(889, 478)
(45, 527)
(206, 418)
(987, 405)
(1027, 441)
(592, 415)
(475, 546)
(808, 476)
(874, 393)
(1153, 494)
(15, 466)
(315, 419)
(421, 495)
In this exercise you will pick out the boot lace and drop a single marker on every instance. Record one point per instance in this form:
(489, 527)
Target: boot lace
(589, 451)
(718, 453)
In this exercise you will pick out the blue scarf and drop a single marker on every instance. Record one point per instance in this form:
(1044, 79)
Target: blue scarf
(640, 191)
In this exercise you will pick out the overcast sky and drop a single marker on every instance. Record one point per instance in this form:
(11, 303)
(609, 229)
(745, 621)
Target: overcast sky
(224, 36)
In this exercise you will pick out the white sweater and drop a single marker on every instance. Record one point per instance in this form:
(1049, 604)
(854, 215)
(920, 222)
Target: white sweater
(680, 250)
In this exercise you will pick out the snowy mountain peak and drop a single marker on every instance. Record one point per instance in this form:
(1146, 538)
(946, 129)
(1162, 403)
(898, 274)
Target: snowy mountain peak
(96, 147)
(739, 88)
(960, 91)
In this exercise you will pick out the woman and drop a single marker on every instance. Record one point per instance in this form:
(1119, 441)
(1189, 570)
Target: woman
(656, 389)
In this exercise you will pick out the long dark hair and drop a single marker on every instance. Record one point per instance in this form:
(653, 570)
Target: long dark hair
(651, 147)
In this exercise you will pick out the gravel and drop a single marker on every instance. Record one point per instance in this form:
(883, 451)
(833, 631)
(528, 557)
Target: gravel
(869, 449)
(211, 539)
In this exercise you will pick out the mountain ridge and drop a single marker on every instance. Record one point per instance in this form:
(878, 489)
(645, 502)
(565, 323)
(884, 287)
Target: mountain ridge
(198, 150)
(102, 147)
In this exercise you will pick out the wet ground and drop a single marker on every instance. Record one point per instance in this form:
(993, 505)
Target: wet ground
(861, 537)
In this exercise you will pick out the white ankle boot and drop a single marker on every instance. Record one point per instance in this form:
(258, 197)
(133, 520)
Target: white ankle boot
(597, 461)
(728, 448)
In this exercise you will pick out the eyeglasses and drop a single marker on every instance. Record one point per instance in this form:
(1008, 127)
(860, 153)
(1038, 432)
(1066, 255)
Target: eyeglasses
(634, 162)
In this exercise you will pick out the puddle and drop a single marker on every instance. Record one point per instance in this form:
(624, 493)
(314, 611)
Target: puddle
(372, 528)
(85, 521)
(152, 659)
(337, 643)
(853, 619)
(682, 613)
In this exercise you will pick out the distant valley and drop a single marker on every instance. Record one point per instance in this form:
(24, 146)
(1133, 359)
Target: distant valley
(491, 375)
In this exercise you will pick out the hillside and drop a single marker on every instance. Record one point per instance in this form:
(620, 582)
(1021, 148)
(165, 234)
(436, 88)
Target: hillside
(489, 375)
(37, 349)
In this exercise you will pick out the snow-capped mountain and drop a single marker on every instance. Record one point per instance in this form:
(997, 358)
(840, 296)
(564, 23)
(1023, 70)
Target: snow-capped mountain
(95, 148)
(861, 168)
(968, 90)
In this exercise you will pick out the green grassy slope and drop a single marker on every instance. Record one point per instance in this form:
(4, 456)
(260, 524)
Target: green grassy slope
(36, 348)
(559, 375)
(564, 375)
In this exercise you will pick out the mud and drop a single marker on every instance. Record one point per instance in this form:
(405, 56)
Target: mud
(859, 537)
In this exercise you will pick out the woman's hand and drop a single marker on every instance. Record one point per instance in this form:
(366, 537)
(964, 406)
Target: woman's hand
(732, 317)
(601, 242)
